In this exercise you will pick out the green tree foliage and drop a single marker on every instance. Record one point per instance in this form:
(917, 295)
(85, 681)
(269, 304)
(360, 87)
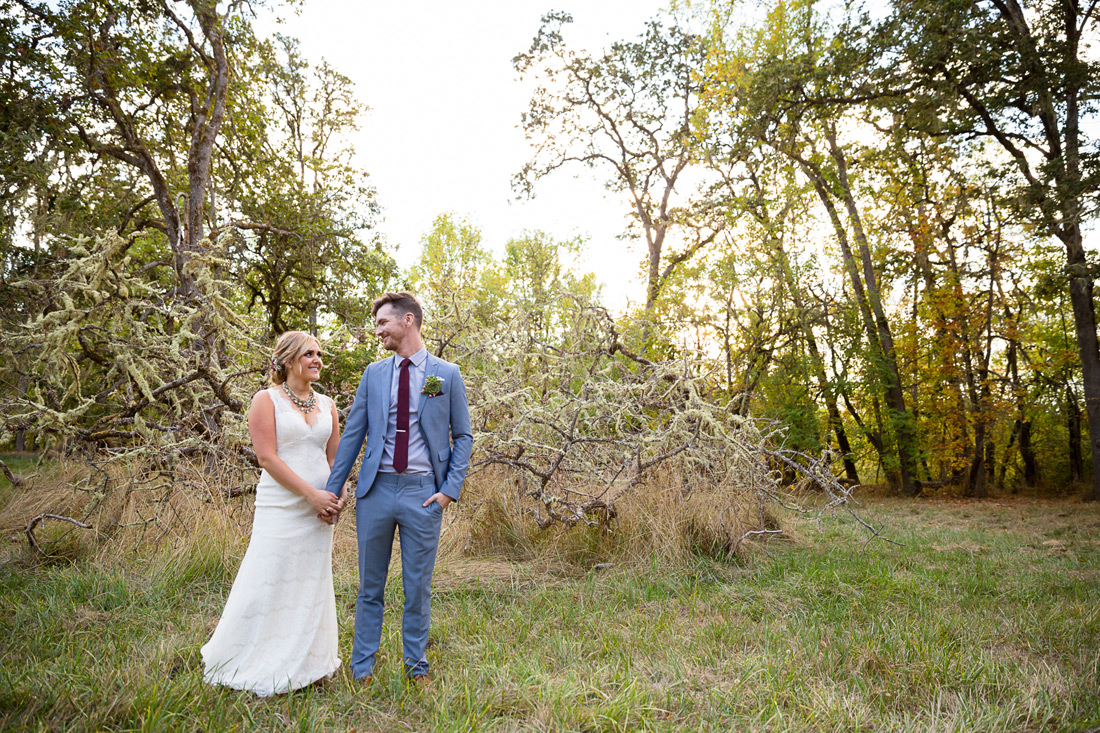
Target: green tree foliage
(848, 223)
(185, 172)
(785, 86)
(300, 207)
(627, 114)
(538, 276)
(1020, 76)
(459, 283)
(530, 297)
(933, 241)
(145, 86)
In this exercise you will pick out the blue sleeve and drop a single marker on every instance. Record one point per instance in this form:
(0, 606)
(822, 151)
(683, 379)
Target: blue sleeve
(462, 437)
(351, 440)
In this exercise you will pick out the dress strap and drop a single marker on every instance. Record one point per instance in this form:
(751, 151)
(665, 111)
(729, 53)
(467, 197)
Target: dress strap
(279, 401)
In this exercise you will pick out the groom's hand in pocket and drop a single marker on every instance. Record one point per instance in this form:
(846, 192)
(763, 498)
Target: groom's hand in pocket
(441, 498)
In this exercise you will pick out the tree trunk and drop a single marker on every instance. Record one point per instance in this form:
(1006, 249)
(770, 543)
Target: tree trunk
(990, 460)
(976, 478)
(1073, 423)
(205, 124)
(21, 433)
(1027, 453)
(879, 332)
(842, 443)
(1021, 429)
(979, 385)
(1004, 461)
(903, 428)
(836, 423)
(817, 363)
(1080, 286)
(727, 347)
(1084, 319)
(1057, 91)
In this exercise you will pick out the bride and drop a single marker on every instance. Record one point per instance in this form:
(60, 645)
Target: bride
(278, 630)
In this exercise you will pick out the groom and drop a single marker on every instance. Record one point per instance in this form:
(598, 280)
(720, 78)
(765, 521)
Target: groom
(412, 410)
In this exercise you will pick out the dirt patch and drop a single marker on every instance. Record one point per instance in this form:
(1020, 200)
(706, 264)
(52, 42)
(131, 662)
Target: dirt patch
(1056, 547)
(85, 618)
(465, 573)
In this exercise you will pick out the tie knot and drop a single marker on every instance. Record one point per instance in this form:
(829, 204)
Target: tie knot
(405, 363)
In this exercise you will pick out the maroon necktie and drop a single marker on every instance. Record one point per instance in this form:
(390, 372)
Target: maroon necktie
(401, 444)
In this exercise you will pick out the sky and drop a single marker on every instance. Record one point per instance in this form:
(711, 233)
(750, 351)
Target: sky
(442, 133)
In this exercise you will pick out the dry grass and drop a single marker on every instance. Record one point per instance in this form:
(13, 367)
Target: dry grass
(667, 521)
(132, 510)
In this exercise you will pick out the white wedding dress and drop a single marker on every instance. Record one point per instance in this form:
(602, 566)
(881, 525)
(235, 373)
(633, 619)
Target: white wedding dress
(278, 630)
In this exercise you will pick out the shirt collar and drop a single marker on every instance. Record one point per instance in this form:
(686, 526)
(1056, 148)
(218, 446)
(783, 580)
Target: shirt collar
(417, 359)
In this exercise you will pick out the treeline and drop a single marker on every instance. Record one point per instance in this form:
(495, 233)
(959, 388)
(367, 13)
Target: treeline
(868, 229)
(176, 190)
(872, 223)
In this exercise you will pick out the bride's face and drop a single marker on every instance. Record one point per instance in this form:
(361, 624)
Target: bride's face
(309, 363)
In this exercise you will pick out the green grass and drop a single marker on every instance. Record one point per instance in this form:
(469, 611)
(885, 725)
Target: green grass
(988, 618)
(21, 464)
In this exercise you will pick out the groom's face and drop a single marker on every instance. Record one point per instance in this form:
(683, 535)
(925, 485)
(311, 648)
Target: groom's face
(392, 327)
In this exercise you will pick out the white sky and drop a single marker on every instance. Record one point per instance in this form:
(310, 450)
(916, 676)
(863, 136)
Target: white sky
(442, 133)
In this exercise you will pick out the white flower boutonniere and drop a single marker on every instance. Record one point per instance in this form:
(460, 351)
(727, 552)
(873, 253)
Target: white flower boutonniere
(433, 386)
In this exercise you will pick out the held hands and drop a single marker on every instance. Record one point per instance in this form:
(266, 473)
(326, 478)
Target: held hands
(440, 497)
(334, 517)
(325, 503)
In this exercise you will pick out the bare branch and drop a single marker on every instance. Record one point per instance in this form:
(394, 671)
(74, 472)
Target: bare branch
(11, 477)
(29, 530)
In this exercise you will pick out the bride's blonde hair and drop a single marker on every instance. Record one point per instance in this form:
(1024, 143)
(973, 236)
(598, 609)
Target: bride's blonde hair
(288, 348)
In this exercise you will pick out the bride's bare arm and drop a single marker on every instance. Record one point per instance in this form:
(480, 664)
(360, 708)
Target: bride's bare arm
(334, 437)
(261, 428)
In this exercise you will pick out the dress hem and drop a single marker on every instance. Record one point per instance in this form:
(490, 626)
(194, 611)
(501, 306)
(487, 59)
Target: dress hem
(261, 690)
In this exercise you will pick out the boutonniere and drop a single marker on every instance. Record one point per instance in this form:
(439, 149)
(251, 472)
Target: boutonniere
(433, 386)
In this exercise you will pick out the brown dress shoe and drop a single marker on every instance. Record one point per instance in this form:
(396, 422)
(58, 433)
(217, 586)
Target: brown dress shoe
(422, 681)
(365, 681)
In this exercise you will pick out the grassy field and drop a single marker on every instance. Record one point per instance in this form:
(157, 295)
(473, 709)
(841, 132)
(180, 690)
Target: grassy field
(988, 618)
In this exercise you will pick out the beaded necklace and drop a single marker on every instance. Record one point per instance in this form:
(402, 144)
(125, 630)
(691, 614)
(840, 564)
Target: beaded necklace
(304, 405)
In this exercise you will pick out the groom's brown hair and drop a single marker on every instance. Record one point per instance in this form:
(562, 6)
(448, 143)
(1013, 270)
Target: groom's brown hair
(403, 302)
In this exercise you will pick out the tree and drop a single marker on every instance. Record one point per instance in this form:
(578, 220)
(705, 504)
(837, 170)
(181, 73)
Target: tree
(790, 86)
(143, 85)
(125, 328)
(1017, 75)
(298, 211)
(459, 284)
(539, 283)
(763, 186)
(629, 114)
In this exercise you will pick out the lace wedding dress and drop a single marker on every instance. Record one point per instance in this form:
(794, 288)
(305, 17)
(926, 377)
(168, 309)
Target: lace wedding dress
(278, 630)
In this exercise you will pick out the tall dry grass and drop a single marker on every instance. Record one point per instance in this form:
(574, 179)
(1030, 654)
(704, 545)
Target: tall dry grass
(137, 510)
(132, 509)
(670, 519)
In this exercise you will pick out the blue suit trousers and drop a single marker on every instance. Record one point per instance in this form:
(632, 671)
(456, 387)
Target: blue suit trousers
(395, 502)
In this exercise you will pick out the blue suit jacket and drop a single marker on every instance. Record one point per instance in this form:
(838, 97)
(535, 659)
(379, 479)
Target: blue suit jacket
(444, 424)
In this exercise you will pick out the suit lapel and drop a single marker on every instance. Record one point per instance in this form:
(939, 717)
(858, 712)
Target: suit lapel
(383, 381)
(431, 367)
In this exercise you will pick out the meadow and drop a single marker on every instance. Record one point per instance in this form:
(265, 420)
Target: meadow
(986, 617)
